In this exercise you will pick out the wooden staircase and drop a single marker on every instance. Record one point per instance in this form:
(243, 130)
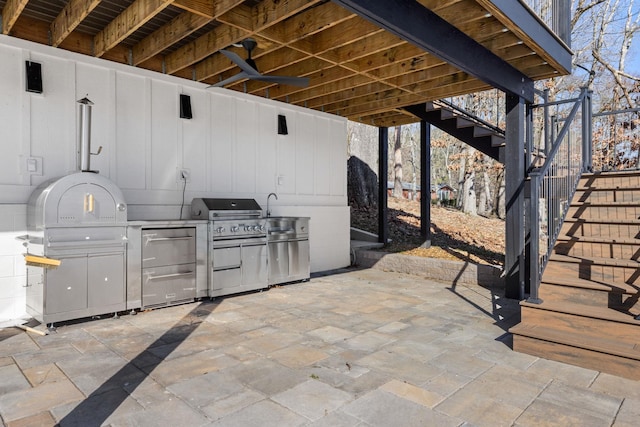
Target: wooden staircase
(590, 287)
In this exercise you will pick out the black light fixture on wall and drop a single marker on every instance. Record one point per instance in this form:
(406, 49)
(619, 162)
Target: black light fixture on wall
(282, 125)
(34, 77)
(185, 107)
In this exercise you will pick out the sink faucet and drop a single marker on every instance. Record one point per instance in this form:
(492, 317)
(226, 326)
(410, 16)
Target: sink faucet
(268, 197)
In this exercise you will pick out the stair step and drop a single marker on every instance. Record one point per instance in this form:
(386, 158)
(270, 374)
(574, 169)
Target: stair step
(497, 140)
(560, 288)
(586, 239)
(431, 106)
(619, 177)
(583, 320)
(590, 284)
(607, 194)
(591, 260)
(581, 246)
(603, 355)
(461, 122)
(597, 269)
(591, 227)
(604, 211)
(445, 114)
(480, 131)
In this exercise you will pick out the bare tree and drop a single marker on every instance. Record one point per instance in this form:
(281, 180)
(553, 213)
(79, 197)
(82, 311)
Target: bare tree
(397, 163)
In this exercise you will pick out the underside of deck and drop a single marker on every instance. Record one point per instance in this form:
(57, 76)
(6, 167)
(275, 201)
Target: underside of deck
(366, 60)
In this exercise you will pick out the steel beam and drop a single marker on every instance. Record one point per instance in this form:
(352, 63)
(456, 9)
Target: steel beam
(425, 183)
(514, 194)
(383, 171)
(413, 22)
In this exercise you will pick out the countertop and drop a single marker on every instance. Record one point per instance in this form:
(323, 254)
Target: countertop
(166, 222)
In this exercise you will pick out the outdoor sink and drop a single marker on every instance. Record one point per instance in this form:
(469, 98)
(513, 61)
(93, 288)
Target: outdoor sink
(285, 227)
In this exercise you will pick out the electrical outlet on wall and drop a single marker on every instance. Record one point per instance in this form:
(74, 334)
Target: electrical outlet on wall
(183, 175)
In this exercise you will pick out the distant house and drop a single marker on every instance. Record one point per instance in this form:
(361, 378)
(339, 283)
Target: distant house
(408, 192)
(444, 193)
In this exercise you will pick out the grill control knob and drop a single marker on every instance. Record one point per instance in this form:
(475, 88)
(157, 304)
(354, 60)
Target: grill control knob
(234, 229)
(247, 228)
(219, 229)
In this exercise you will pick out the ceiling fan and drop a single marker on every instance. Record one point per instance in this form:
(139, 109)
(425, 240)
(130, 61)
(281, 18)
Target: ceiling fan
(250, 71)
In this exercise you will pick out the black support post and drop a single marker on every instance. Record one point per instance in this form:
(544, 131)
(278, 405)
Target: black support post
(514, 193)
(425, 183)
(383, 169)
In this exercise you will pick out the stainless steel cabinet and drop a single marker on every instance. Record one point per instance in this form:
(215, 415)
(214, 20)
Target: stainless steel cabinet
(83, 285)
(168, 266)
(166, 262)
(288, 241)
(238, 265)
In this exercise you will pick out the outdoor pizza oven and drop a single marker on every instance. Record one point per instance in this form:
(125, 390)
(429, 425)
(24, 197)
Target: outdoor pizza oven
(80, 220)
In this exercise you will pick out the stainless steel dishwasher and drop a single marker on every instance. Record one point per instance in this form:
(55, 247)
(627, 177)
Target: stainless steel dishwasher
(288, 241)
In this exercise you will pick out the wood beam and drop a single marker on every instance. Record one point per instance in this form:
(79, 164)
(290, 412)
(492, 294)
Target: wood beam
(219, 38)
(343, 34)
(10, 13)
(132, 18)
(269, 12)
(422, 27)
(528, 28)
(165, 36)
(264, 15)
(69, 18)
(180, 27)
(203, 8)
(310, 21)
(240, 17)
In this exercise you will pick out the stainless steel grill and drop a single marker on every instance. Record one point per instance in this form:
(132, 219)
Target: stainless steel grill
(237, 244)
(81, 220)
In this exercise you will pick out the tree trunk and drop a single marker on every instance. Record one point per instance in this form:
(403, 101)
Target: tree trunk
(470, 206)
(461, 179)
(397, 166)
(485, 206)
(500, 202)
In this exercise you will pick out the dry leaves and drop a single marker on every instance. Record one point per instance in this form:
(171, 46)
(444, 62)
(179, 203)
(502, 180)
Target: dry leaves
(454, 235)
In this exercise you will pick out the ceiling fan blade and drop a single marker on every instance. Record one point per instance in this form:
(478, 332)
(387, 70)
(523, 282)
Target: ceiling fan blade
(285, 80)
(239, 76)
(240, 62)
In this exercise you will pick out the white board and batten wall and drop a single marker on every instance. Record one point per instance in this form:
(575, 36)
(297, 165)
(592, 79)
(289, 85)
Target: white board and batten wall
(230, 148)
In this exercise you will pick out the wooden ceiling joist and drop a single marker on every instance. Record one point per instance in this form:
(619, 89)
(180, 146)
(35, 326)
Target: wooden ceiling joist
(179, 27)
(132, 18)
(204, 8)
(10, 13)
(71, 16)
(266, 13)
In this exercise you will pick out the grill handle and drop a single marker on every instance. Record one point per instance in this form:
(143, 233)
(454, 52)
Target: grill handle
(169, 276)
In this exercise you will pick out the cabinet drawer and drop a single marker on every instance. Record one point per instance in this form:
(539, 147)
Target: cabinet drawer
(168, 246)
(164, 285)
(224, 258)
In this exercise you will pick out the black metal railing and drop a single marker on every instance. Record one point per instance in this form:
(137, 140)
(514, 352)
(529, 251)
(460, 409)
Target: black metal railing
(466, 114)
(555, 14)
(616, 140)
(559, 144)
